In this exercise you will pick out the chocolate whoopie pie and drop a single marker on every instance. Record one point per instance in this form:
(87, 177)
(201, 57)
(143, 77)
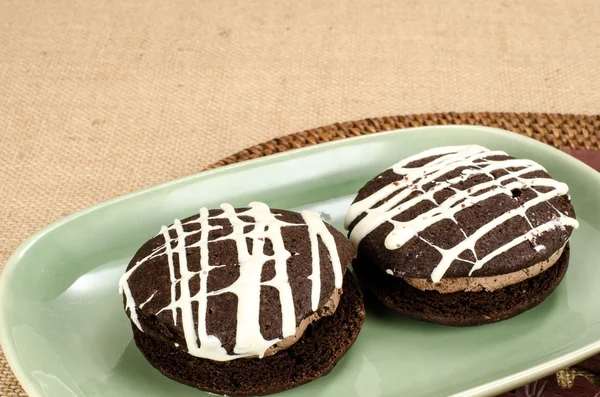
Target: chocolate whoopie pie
(244, 301)
(461, 235)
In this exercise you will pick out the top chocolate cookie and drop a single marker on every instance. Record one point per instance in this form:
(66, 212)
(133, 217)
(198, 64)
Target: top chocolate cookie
(232, 283)
(460, 211)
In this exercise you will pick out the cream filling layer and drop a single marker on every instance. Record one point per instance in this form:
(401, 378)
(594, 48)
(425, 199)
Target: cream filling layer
(491, 283)
(327, 310)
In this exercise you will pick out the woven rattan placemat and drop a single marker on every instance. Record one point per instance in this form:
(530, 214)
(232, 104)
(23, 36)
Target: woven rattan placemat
(564, 131)
(567, 132)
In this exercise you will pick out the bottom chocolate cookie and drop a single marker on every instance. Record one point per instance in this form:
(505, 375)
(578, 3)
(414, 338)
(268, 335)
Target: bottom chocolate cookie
(315, 354)
(461, 308)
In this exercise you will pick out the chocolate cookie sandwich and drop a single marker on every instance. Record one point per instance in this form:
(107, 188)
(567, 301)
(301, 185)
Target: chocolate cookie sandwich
(462, 235)
(244, 301)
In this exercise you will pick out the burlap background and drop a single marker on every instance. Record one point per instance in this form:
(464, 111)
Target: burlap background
(99, 98)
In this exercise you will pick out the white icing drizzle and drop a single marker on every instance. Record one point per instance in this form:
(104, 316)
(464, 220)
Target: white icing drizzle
(451, 158)
(316, 229)
(247, 288)
(147, 300)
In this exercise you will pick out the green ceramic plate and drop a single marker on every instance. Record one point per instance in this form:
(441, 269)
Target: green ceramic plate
(65, 334)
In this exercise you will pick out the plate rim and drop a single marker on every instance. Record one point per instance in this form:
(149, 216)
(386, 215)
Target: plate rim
(496, 386)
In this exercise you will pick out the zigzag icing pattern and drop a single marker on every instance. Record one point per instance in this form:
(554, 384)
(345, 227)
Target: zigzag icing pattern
(249, 340)
(451, 158)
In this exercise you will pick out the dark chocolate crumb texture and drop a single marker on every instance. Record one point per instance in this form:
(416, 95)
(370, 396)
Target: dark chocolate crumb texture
(237, 284)
(462, 309)
(315, 354)
(461, 219)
